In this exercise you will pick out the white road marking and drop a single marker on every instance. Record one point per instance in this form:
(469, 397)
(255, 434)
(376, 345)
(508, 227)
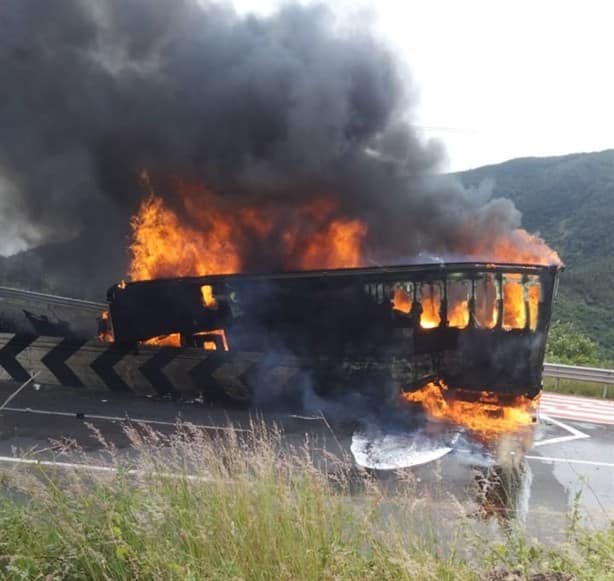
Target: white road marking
(571, 461)
(299, 417)
(581, 417)
(18, 391)
(577, 408)
(575, 434)
(578, 398)
(120, 419)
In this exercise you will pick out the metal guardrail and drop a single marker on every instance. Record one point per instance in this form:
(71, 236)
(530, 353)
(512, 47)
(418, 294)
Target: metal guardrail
(51, 299)
(559, 371)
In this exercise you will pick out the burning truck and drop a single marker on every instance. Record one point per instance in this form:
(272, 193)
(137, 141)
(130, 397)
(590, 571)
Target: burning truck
(471, 325)
(477, 328)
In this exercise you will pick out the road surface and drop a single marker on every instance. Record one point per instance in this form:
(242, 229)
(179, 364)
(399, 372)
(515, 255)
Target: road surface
(572, 450)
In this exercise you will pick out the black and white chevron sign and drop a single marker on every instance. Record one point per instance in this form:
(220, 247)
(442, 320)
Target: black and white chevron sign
(140, 369)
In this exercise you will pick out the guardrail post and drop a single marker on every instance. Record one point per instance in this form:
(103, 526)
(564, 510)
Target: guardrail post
(602, 377)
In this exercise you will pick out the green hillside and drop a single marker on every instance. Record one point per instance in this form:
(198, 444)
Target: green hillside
(569, 201)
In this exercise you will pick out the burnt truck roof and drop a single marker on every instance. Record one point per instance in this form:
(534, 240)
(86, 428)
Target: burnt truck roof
(413, 271)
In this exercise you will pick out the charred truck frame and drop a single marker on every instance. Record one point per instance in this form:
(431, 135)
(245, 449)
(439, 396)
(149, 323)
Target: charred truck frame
(476, 326)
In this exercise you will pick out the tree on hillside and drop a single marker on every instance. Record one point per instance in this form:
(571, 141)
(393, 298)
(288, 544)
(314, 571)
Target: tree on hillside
(567, 344)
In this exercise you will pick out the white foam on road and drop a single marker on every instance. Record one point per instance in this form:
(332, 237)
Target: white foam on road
(382, 451)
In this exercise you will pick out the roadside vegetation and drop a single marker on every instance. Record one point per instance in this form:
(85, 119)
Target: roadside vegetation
(580, 388)
(569, 345)
(240, 505)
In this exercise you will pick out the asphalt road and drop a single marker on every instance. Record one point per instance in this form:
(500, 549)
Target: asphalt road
(542, 473)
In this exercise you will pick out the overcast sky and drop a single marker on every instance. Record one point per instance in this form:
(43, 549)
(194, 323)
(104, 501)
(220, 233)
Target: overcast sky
(502, 79)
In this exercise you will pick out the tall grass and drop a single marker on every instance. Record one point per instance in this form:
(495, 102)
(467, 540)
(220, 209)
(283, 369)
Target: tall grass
(192, 505)
(582, 388)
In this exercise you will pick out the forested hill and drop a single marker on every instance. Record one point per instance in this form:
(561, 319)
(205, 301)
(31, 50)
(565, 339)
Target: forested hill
(569, 201)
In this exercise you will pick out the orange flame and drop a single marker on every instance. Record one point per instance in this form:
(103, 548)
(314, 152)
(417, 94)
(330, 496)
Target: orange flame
(486, 303)
(431, 306)
(214, 239)
(512, 247)
(458, 304)
(106, 332)
(486, 418)
(172, 340)
(163, 247)
(207, 294)
(203, 235)
(517, 296)
(401, 300)
(520, 247)
(534, 296)
(514, 312)
(458, 315)
(211, 345)
(338, 245)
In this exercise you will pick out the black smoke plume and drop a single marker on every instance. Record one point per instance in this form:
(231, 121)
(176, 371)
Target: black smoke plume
(280, 108)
